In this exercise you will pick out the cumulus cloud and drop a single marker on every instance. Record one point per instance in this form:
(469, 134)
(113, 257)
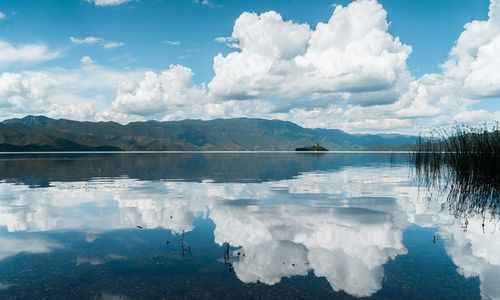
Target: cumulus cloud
(69, 93)
(283, 69)
(474, 59)
(468, 75)
(286, 70)
(348, 72)
(158, 93)
(352, 53)
(3, 16)
(437, 99)
(20, 93)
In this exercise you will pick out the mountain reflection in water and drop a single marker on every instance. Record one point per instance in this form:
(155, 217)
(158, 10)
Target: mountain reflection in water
(270, 218)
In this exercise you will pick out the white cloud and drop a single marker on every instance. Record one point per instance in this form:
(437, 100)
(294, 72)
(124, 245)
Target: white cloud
(26, 53)
(439, 99)
(89, 40)
(286, 70)
(85, 40)
(337, 51)
(3, 16)
(23, 93)
(468, 75)
(157, 94)
(352, 53)
(87, 60)
(69, 93)
(111, 45)
(76, 111)
(172, 43)
(108, 2)
(348, 73)
(227, 40)
(205, 3)
(474, 59)
(266, 42)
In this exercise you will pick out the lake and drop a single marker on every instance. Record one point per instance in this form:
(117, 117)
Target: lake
(235, 226)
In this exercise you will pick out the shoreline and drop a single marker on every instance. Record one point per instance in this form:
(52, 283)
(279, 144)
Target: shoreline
(202, 152)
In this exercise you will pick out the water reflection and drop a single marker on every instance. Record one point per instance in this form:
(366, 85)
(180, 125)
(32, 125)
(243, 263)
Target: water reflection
(469, 179)
(342, 220)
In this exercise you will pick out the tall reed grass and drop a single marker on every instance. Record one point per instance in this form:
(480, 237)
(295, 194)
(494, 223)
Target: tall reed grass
(464, 162)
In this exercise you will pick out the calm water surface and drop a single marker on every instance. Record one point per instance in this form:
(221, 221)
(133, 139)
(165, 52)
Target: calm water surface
(234, 226)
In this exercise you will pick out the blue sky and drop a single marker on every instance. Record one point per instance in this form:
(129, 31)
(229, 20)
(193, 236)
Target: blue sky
(429, 26)
(151, 35)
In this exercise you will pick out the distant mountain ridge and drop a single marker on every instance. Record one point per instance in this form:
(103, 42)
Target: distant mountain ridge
(40, 133)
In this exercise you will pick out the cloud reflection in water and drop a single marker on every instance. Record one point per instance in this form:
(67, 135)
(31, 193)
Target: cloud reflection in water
(342, 225)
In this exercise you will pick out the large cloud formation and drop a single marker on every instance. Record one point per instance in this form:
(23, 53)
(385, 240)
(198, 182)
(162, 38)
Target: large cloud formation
(469, 74)
(279, 66)
(349, 73)
(352, 53)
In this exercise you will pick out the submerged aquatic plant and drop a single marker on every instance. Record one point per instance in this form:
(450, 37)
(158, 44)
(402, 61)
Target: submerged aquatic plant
(463, 162)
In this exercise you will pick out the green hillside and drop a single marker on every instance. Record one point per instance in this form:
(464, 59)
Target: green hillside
(39, 133)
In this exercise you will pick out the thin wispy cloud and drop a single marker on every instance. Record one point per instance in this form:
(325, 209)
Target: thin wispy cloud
(227, 40)
(25, 53)
(111, 45)
(207, 3)
(172, 43)
(108, 2)
(87, 60)
(85, 40)
(89, 40)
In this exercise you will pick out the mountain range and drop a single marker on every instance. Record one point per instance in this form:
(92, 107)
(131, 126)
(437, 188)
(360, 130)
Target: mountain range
(40, 133)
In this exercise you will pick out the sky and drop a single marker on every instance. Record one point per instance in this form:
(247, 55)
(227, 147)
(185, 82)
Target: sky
(361, 66)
